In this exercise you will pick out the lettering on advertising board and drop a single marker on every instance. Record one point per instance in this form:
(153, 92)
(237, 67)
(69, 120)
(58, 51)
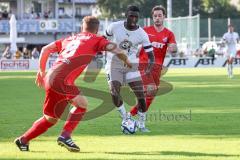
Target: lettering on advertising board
(46, 25)
(205, 62)
(14, 64)
(177, 62)
(236, 61)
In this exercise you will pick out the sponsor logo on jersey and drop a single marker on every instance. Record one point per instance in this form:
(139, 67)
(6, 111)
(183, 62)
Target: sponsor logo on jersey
(126, 45)
(158, 45)
(165, 39)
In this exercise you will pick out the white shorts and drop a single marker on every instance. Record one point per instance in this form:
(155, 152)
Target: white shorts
(123, 75)
(231, 52)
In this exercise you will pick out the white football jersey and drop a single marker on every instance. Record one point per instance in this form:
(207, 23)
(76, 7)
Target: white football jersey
(231, 39)
(130, 41)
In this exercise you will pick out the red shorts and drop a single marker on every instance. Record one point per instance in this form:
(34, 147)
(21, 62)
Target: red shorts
(153, 77)
(150, 81)
(55, 102)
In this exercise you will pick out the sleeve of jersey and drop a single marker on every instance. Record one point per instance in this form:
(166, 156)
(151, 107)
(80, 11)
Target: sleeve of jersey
(103, 42)
(58, 43)
(172, 39)
(147, 46)
(109, 30)
(224, 37)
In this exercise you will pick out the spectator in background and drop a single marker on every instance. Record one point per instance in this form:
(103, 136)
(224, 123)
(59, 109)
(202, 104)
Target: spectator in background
(26, 53)
(50, 14)
(33, 15)
(211, 52)
(38, 15)
(35, 53)
(18, 54)
(5, 15)
(198, 52)
(7, 54)
(221, 50)
(45, 15)
(188, 51)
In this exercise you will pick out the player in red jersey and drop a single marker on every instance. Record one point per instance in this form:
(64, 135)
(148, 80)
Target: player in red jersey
(75, 53)
(162, 40)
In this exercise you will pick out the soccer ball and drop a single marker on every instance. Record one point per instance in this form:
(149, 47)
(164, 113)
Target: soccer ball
(129, 126)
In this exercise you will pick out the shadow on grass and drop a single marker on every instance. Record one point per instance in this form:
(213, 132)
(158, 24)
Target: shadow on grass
(160, 153)
(171, 153)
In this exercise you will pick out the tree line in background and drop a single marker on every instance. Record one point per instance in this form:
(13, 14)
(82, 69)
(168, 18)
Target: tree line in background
(206, 8)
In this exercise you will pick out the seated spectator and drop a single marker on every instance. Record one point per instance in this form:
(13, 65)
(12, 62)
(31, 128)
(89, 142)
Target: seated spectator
(7, 54)
(181, 54)
(35, 53)
(188, 51)
(211, 52)
(18, 54)
(26, 53)
(198, 52)
(221, 50)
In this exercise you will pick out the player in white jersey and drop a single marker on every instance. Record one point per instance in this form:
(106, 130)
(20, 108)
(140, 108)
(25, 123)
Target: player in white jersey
(129, 36)
(231, 38)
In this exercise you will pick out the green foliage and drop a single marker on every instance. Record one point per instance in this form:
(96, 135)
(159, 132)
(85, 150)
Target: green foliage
(220, 9)
(206, 8)
(115, 8)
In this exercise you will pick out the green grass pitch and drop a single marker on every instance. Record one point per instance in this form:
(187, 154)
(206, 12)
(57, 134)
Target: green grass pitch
(208, 101)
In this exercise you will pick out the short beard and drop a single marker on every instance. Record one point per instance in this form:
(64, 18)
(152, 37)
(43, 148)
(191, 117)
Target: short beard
(158, 24)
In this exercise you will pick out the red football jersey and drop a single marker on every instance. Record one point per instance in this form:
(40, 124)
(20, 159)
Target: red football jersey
(160, 41)
(75, 53)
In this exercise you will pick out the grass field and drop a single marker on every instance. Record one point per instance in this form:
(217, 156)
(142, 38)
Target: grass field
(207, 99)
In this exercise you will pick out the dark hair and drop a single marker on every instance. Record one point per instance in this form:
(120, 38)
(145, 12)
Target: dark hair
(91, 22)
(161, 8)
(133, 8)
(230, 25)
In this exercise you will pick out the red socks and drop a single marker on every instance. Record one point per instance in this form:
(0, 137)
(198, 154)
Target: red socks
(39, 127)
(134, 109)
(75, 116)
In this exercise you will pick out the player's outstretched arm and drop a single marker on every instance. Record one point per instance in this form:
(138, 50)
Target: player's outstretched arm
(172, 48)
(45, 53)
(151, 62)
(112, 47)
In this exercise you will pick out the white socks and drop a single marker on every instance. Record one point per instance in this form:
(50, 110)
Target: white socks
(230, 70)
(122, 111)
(141, 119)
